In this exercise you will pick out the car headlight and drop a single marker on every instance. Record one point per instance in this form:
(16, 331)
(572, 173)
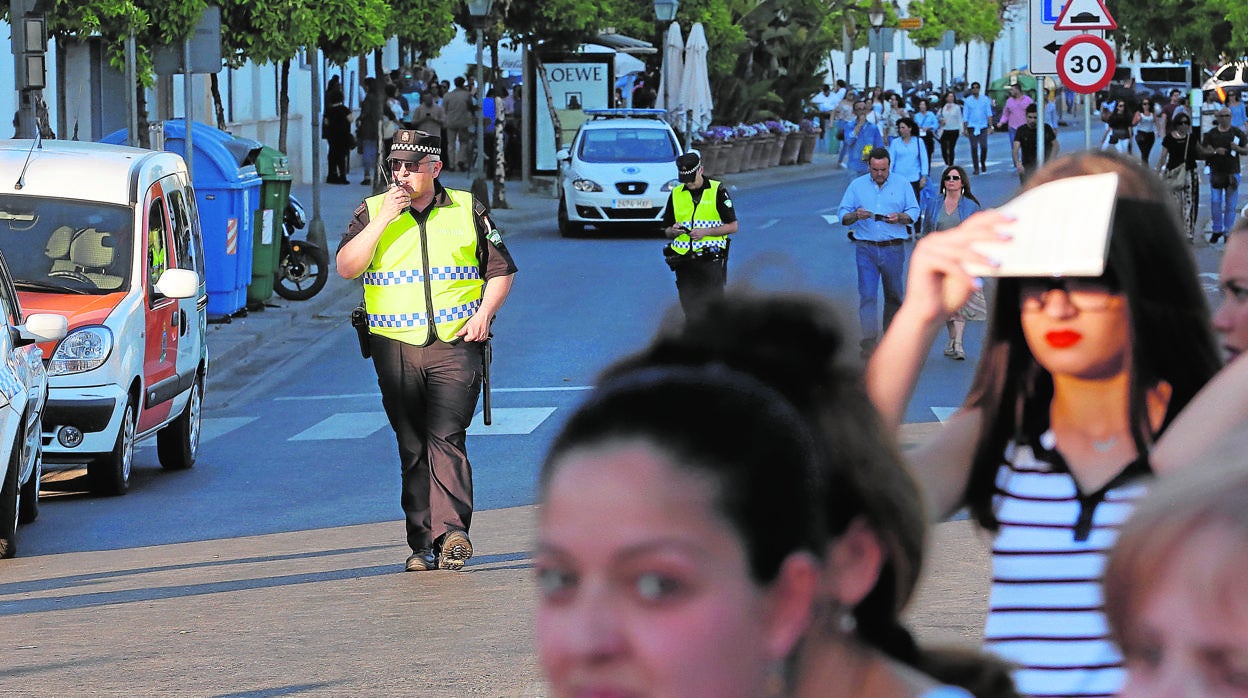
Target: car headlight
(586, 185)
(82, 350)
(671, 184)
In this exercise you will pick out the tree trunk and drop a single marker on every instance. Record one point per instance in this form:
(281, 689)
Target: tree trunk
(992, 47)
(500, 163)
(500, 169)
(219, 107)
(145, 138)
(550, 102)
(283, 106)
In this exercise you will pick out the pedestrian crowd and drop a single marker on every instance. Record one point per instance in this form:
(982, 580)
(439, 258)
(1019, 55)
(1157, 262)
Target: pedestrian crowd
(729, 512)
(416, 99)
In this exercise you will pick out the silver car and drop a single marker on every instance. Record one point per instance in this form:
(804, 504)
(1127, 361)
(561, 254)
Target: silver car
(23, 395)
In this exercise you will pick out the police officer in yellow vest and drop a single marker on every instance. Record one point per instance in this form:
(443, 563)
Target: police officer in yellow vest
(435, 272)
(698, 220)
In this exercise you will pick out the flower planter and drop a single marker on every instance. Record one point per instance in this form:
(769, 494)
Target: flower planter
(731, 157)
(712, 159)
(746, 147)
(777, 147)
(762, 151)
(788, 154)
(807, 152)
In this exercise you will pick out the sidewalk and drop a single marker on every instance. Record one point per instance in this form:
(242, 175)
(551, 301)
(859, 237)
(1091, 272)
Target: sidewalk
(328, 612)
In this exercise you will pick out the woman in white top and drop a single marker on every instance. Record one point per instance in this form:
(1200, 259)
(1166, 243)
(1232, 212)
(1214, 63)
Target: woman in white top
(893, 111)
(950, 127)
(1146, 122)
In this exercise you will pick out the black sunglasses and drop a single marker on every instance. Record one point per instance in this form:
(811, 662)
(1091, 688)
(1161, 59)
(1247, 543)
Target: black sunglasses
(953, 177)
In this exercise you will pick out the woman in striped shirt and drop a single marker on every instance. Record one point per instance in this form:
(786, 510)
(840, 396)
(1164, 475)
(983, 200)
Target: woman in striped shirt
(1078, 378)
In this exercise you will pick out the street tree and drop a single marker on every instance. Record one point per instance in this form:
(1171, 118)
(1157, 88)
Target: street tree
(1197, 29)
(970, 21)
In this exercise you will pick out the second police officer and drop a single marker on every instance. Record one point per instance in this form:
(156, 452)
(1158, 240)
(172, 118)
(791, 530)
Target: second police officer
(698, 220)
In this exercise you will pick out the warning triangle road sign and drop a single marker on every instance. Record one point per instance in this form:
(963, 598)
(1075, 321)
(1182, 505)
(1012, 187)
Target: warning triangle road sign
(1082, 15)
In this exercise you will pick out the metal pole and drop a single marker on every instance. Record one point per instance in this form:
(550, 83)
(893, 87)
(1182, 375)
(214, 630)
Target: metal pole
(1087, 123)
(1041, 124)
(132, 97)
(316, 226)
(189, 105)
(479, 189)
(879, 57)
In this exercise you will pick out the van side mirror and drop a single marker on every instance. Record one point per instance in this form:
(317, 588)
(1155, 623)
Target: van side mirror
(43, 327)
(178, 283)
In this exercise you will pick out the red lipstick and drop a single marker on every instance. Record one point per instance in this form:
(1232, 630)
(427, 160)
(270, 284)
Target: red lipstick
(1061, 339)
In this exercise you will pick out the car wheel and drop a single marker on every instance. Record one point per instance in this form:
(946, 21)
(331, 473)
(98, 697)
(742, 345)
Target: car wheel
(178, 444)
(567, 228)
(110, 475)
(10, 502)
(28, 509)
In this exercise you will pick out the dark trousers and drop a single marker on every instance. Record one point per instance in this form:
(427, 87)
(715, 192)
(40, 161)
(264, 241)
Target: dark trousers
(948, 140)
(430, 394)
(1145, 141)
(339, 152)
(701, 280)
(979, 148)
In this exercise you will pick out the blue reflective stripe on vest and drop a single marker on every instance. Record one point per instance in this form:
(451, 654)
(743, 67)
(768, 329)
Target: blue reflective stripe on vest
(421, 319)
(415, 276)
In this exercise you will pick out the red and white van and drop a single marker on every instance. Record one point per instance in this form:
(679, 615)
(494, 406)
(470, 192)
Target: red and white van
(109, 237)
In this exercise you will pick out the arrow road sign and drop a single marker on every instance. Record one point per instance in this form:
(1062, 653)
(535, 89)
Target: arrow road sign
(1045, 40)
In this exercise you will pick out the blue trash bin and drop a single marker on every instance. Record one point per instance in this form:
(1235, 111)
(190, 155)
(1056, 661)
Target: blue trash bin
(227, 192)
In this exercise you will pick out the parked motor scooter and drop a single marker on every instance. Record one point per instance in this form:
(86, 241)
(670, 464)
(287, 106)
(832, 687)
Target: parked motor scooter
(302, 267)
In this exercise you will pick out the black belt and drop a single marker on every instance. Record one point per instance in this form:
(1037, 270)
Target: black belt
(882, 243)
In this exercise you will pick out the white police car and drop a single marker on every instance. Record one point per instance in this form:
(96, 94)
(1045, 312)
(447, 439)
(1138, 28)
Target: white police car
(23, 396)
(619, 169)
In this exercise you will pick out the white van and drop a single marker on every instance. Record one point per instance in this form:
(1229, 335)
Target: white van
(109, 237)
(1155, 80)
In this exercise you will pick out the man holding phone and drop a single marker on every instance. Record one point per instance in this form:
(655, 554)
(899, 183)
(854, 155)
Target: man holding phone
(877, 208)
(698, 220)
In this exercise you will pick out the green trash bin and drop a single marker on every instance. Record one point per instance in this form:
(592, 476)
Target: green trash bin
(274, 171)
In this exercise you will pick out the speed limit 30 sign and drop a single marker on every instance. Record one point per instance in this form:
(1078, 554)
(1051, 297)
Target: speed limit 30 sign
(1085, 64)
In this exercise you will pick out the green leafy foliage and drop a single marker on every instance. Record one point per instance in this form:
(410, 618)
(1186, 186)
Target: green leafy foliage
(1199, 29)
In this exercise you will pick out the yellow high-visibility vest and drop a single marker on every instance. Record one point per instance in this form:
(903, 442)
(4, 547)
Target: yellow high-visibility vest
(424, 275)
(704, 215)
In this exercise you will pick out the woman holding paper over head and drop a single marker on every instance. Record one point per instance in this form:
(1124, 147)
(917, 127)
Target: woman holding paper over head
(1079, 377)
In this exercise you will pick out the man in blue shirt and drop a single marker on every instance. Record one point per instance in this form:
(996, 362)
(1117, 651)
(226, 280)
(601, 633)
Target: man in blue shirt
(976, 115)
(877, 208)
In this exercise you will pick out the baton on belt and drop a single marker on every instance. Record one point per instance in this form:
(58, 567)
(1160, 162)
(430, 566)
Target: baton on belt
(487, 355)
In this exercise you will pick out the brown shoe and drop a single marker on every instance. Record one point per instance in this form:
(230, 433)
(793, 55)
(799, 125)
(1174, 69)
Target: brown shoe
(422, 560)
(456, 549)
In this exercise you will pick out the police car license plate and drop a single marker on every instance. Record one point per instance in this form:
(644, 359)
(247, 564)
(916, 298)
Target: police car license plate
(633, 203)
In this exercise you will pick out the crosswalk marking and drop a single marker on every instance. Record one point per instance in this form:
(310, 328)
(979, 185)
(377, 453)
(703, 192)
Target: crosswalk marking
(344, 425)
(377, 394)
(211, 428)
(510, 420)
(944, 413)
